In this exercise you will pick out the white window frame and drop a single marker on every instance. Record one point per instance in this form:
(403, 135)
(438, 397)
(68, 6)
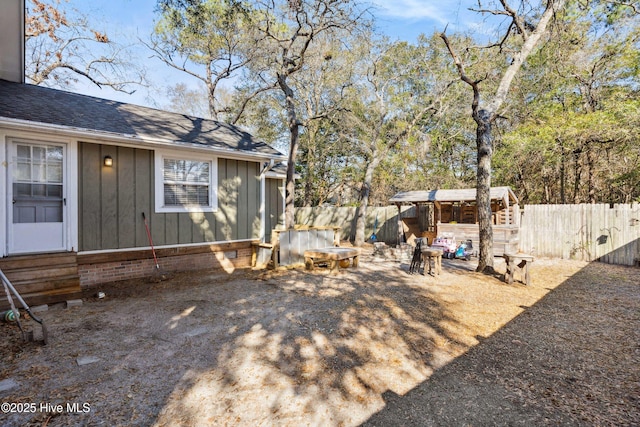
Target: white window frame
(160, 156)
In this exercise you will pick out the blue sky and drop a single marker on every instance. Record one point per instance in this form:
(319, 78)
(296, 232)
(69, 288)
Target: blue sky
(121, 19)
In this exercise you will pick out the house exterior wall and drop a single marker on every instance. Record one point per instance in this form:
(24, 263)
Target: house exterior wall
(274, 205)
(103, 267)
(112, 200)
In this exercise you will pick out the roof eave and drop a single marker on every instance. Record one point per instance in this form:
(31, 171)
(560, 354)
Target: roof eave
(432, 196)
(138, 140)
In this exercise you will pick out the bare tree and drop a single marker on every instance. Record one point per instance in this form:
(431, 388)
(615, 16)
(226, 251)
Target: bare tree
(287, 30)
(210, 40)
(516, 43)
(390, 105)
(187, 101)
(60, 51)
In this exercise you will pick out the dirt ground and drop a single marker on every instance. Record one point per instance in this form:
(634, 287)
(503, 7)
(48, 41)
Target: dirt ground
(372, 345)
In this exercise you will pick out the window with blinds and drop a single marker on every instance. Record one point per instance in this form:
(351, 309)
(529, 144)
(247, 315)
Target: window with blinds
(186, 182)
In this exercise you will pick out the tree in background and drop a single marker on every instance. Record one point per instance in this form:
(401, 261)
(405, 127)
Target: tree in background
(575, 139)
(516, 44)
(389, 106)
(322, 87)
(61, 50)
(288, 30)
(183, 100)
(442, 154)
(210, 40)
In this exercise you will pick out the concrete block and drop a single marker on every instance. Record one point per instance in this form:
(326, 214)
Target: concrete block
(40, 308)
(87, 360)
(8, 384)
(74, 303)
(197, 331)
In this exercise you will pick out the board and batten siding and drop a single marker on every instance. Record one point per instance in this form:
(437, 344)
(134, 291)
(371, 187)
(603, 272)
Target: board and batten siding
(274, 206)
(112, 200)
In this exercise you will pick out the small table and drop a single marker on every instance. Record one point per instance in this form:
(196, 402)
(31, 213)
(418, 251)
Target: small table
(519, 262)
(436, 254)
(331, 255)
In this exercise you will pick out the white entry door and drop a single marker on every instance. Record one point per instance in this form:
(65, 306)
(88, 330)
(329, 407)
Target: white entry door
(37, 197)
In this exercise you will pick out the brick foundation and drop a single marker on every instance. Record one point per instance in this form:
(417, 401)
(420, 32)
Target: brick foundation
(94, 273)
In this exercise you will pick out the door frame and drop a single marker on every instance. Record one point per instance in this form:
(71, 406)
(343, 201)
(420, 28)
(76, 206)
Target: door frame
(70, 187)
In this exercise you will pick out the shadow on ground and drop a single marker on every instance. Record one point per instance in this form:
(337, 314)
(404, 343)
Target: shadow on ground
(571, 359)
(372, 345)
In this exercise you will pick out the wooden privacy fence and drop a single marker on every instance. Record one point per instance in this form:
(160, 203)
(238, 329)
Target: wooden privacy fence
(588, 232)
(386, 218)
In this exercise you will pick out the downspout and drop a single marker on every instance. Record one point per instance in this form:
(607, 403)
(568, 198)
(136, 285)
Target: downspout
(267, 167)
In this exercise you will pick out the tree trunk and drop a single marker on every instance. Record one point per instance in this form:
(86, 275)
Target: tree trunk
(591, 176)
(483, 190)
(578, 175)
(361, 215)
(289, 201)
(289, 206)
(563, 198)
(211, 95)
(485, 116)
(309, 197)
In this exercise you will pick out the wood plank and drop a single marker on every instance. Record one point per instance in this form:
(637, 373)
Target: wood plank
(197, 224)
(285, 247)
(270, 209)
(41, 273)
(108, 200)
(47, 297)
(15, 262)
(220, 193)
(232, 208)
(32, 286)
(578, 232)
(209, 227)
(89, 188)
(244, 215)
(144, 189)
(98, 258)
(185, 229)
(227, 215)
(158, 227)
(253, 202)
(171, 228)
(126, 198)
(331, 253)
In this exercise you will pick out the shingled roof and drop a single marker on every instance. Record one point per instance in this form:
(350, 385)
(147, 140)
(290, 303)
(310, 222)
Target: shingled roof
(459, 195)
(86, 113)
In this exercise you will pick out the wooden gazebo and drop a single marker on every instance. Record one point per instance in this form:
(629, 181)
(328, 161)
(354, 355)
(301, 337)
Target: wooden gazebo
(455, 213)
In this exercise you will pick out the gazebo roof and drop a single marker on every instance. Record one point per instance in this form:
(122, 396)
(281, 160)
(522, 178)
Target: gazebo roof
(459, 195)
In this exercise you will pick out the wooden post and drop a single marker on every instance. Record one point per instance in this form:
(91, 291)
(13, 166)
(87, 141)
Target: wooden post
(336, 236)
(333, 266)
(400, 229)
(308, 263)
(506, 208)
(275, 241)
(254, 253)
(439, 208)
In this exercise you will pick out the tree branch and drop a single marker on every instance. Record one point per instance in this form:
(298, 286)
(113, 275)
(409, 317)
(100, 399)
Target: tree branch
(463, 75)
